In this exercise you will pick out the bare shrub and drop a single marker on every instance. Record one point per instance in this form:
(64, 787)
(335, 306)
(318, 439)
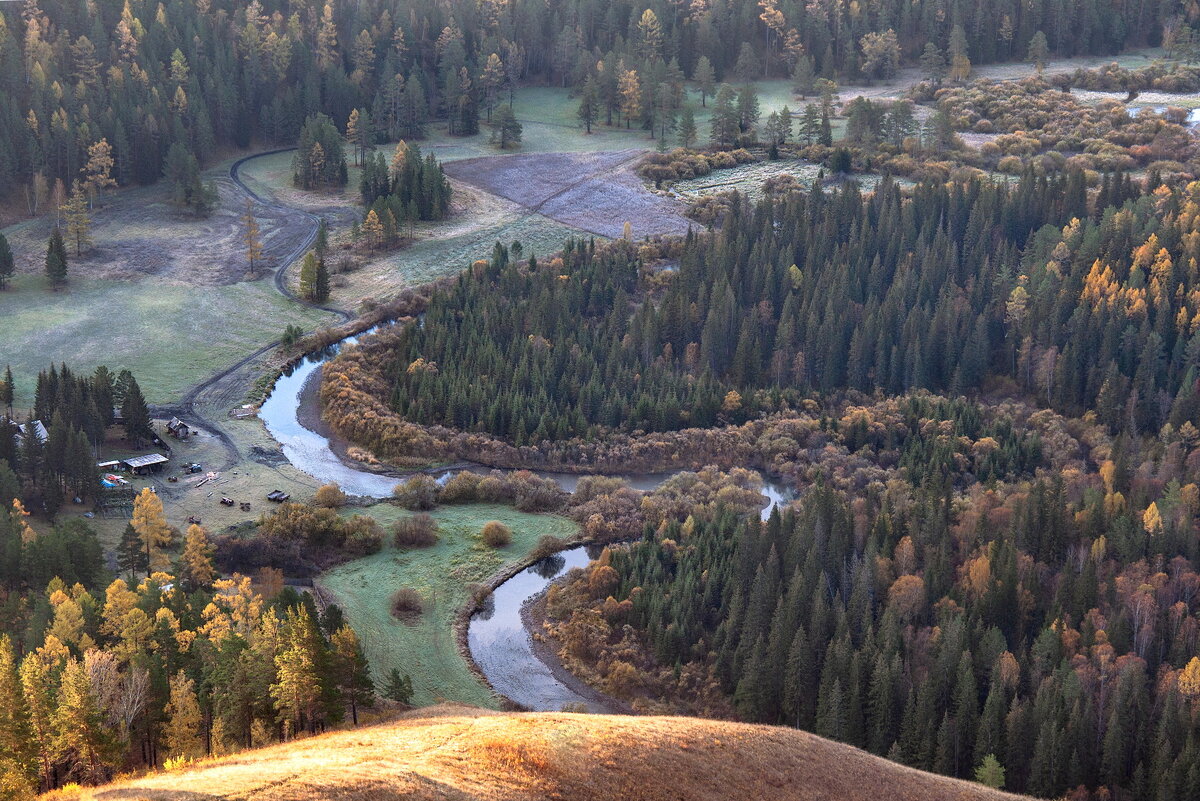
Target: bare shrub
(407, 604)
(419, 493)
(496, 534)
(417, 531)
(463, 487)
(330, 496)
(547, 545)
(364, 535)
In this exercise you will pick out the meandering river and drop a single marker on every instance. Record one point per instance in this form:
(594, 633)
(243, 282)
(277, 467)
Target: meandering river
(498, 639)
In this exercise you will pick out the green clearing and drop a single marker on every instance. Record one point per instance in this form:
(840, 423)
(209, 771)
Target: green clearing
(547, 116)
(170, 336)
(426, 649)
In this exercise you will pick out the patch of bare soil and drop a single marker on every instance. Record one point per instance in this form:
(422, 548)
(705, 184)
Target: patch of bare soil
(138, 234)
(594, 192)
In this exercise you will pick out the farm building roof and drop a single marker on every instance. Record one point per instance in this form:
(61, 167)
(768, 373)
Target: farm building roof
(144, 461)
(37, 428)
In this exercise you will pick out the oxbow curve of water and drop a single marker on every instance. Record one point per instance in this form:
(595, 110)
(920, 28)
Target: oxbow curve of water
(497, 637)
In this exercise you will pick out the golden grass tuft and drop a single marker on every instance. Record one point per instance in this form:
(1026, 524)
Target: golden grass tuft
(500, 753)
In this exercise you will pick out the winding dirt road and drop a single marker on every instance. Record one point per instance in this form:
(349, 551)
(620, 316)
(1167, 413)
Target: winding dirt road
(185, 408)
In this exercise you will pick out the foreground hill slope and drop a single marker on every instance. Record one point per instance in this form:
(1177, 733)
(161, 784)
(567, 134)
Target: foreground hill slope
(450, 752)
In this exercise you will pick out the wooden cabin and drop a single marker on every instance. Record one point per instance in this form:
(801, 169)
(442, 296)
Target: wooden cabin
(178, 429)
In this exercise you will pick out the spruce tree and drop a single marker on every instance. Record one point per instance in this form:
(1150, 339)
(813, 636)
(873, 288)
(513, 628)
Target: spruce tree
(589, 104)
(687, 128)
(321, 245)
(56, 260)
(131, 556)
(705, 79)
(7, 391)
(825, 133)
(398, 688)
(136, 415)
(321, 282)
(7, 264)
(725, 121)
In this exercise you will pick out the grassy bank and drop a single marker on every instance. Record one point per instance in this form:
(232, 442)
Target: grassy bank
(426, 649)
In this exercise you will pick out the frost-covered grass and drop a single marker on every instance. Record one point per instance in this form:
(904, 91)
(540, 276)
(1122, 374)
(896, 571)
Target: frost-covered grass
(425, 649)
(748, 179)
(170, 335)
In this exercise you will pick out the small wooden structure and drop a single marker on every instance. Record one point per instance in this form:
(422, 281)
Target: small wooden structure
(277, 496)
(36, 428)
(178, 429)
(141, 465)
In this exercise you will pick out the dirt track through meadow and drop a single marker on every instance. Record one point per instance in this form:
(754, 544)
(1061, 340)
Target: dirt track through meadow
(594, 192)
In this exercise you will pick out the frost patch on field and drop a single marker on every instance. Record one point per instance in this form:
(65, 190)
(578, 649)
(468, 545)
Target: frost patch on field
(593, 192)
(136, 234)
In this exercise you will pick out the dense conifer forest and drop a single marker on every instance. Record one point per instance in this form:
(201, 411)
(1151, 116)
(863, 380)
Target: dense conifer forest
(974, 596)
(1046, 626)
(210, 75)
(1086, 305)
(984, 388)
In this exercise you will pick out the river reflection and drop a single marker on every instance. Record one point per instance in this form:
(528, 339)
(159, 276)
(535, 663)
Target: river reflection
(498, 641)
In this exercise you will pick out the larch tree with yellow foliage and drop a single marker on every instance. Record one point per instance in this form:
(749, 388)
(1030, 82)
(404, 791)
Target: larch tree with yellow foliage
(151, 526)
(18, 757)
(1189, 680)
(83, 740)
(182, 733)
(297, 691)
(97, 173)
(1152, 520)
(196, 569)
(372, 230)
(630, 92)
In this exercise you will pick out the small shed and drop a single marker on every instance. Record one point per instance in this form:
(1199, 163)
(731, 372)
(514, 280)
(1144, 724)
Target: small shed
(178, 429)
(141, 465)
(111, 466)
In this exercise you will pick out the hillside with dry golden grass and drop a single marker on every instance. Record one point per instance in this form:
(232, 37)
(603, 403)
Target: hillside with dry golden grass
(450, 752)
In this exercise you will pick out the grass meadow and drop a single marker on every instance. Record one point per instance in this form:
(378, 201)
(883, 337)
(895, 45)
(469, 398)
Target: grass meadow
(426, 649)
(171, 336)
